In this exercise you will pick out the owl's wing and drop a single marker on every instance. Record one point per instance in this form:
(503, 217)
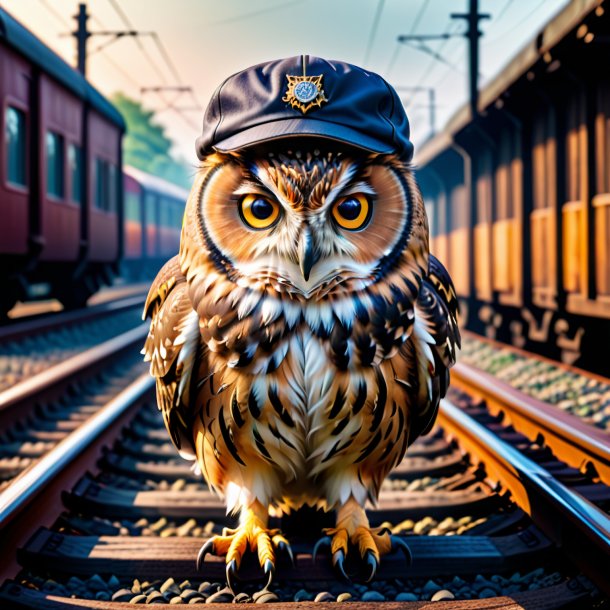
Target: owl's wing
(173, 347)
(435, 342)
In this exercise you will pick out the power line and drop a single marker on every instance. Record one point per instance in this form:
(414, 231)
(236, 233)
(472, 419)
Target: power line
(419, 16)
(503, 10)
(55, 13)
(127, 22)
(243, 16)
(516, 25)
(172, 66)
(376, 19)
(433, 64)
(128, 77)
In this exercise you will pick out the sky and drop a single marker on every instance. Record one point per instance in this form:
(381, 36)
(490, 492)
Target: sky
(204, 41)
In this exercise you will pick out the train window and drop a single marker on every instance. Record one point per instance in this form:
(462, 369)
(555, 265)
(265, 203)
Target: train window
(150, 209)
(506, 213)
(112, 188)
(601, 200)
(165, 210)
(15, 138)
(132, 207)
(178, 211)
(55, 164)
(574, 208)
(105, 185)
(543, 242)
(483, 227)
(101, 191)
(75, 163)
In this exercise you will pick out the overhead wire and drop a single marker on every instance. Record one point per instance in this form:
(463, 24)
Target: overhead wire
(451, 29)
(276, 7)
(55, 13)
(516, 25)
(373, 32)
(128, 77)
(127, 23)
(414, 25)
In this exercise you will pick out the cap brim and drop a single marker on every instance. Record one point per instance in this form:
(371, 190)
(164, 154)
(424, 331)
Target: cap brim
(286, 128)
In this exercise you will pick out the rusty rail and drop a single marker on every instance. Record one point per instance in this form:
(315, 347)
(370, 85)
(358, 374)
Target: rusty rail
(571, 521)
(575, 442)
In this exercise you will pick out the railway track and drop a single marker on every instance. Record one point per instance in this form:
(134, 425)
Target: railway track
(58, 373)
(494, 519)
(29, 347)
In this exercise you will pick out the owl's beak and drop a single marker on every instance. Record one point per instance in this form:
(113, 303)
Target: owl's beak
(306, 252)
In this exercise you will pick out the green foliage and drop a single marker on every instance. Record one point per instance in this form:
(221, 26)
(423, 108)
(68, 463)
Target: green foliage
(146, 146)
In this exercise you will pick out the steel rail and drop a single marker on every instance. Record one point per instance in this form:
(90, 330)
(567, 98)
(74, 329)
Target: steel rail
(572, 440)
(571, 521)
(60, 374)
(32, 480)
(51, 321)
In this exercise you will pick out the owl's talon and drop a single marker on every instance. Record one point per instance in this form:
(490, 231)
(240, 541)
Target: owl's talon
(400, 544)
(323, 543)
(284, 547)
(372, 563)
(208, 547)
(338, 563)
(269, 570)
(231, 574)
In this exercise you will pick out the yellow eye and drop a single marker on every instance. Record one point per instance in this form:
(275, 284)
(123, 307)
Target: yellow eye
(352, 212)
(258, 212)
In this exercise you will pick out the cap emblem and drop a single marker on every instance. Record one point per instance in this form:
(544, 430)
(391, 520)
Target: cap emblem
(304, 92)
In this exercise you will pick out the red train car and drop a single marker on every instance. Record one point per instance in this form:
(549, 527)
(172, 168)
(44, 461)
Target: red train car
(153, 220)
(60, 166)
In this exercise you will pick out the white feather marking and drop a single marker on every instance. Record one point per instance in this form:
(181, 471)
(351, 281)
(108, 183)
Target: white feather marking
(326, 315)
(190, 332)
(292, 312)
(248, 303)
(270, 310)
(344, 310)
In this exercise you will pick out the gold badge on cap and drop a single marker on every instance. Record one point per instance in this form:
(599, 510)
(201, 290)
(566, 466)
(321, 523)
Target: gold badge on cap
(304, 92)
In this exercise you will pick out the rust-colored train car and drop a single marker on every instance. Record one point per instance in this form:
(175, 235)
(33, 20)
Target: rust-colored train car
(60, 168)
(519, 196)
(153, 220)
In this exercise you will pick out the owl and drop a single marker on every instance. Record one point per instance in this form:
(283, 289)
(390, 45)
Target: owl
(301, 339)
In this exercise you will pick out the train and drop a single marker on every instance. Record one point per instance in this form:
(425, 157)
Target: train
(71, 217)
(518, 195)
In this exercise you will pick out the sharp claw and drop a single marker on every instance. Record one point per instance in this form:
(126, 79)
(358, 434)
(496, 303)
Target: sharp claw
(372, 563)
(338, 559)
(323, 542)
(282, 546)
(270, 570)
(397, 541)
(231, 573)
(208, 547)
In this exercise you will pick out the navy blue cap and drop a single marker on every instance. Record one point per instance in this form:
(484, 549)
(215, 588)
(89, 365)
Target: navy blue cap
(305, 96)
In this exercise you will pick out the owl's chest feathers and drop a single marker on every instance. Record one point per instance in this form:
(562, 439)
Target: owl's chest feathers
(310, 363)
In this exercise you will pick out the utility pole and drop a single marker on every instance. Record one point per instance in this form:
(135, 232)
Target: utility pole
(473, 34)
(81, 35)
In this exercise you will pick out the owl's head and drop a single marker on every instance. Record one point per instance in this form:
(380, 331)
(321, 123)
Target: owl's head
(305, 222)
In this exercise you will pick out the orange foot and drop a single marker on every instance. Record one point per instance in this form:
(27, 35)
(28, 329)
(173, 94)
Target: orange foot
(372, 543)
(252, 534)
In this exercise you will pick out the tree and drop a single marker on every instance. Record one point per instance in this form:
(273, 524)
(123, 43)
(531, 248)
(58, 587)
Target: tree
(146, 146)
